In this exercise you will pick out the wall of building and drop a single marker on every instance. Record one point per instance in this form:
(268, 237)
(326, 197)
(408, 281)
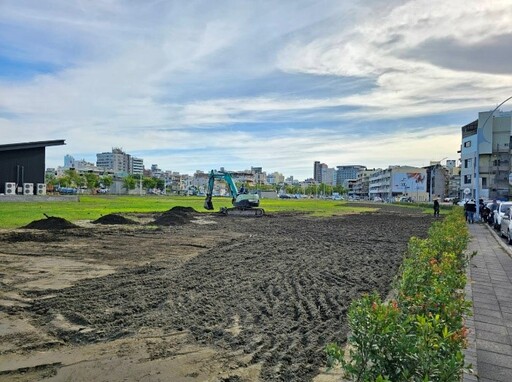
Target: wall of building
(22, 166)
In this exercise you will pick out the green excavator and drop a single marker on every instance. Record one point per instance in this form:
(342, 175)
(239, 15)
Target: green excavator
(244, 204)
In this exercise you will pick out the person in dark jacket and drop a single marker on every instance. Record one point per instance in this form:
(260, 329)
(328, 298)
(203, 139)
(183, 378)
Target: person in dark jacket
(470, 208)
(436, 208)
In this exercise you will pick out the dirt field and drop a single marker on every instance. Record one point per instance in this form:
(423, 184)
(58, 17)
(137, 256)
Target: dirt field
(196, 298)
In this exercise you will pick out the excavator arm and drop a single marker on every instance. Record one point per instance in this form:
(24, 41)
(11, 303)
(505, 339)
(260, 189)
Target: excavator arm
(208, 204)
(244, 204)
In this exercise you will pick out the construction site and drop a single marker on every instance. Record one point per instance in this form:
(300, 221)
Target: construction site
(188, 296)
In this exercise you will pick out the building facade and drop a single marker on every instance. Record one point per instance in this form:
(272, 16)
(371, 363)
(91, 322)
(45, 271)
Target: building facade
(120, 162)
(23, 164)
(486, 156)
(361, 188)
(396, 182)
(345, 173)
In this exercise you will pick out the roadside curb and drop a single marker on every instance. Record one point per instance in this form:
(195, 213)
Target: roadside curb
(499, 239)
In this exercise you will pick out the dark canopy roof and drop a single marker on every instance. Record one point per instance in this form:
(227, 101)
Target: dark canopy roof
(31, 145)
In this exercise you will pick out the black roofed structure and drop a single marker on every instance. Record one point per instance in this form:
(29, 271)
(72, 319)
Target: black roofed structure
(22, 165)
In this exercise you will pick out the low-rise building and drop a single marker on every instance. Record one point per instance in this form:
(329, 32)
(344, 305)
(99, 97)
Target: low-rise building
(395, 182)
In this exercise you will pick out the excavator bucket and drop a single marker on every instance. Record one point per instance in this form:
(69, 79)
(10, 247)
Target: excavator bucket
(208, 204)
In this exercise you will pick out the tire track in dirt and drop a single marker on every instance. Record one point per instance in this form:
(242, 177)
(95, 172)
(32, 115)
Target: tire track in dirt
(287, 284)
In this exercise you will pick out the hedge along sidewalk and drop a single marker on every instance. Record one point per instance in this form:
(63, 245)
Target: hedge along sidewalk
(419, 335)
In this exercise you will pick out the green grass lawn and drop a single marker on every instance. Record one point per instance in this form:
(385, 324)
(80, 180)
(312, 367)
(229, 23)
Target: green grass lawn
(91, 207)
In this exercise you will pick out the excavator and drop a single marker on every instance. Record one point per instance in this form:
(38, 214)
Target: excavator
(244, 204)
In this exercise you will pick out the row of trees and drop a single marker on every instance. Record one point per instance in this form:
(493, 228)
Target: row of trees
(292, 189)
(131, 181)
(73, 179)
(92, 182)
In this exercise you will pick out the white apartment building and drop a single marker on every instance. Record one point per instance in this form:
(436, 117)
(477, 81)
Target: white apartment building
(398, 181)
(136, 166)
(120, 162)
(486, 145)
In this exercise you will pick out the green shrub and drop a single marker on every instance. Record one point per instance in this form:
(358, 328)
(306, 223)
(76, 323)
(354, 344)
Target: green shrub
(420, 336)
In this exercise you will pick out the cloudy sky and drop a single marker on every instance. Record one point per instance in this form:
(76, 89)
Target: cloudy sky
(195, 85)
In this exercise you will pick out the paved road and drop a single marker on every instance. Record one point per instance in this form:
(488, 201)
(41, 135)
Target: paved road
(490, 287)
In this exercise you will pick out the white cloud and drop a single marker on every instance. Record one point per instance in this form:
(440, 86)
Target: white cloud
(404, 86)
(122, 70)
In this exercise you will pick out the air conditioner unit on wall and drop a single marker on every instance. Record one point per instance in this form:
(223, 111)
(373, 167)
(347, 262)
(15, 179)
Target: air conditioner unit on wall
(10, 188)
(41, 189)
(28, 188)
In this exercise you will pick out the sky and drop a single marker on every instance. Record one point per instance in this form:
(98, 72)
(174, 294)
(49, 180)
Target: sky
(198, 85)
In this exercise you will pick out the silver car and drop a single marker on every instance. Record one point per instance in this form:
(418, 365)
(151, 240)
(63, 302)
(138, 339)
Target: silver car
(506, 225)
(499, 212)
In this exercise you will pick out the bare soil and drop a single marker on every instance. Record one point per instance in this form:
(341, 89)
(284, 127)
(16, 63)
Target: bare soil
(191, 297)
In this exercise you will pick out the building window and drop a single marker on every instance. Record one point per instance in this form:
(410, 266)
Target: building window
(467, 179)
(467, 144)
(484, 182)
(467, 163)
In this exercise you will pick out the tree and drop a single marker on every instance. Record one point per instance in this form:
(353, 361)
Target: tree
(129, 182)
(149, 183)
(73, 178)
(91, 180)
(160, 184)
(106, 181)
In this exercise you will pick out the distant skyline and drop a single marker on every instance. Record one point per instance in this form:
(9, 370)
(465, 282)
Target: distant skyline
(196, 85)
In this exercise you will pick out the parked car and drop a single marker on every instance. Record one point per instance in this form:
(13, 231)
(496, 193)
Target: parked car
(506, 226)
(499, 212)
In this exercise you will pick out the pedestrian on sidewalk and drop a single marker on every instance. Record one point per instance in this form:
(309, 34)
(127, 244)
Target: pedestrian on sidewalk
(470, 208)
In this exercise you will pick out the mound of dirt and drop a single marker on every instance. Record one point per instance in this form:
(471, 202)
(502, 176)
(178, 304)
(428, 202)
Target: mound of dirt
(176, 216)
(51, 223)
(113, 219)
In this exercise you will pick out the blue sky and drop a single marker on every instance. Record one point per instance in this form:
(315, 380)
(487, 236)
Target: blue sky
(196, 85)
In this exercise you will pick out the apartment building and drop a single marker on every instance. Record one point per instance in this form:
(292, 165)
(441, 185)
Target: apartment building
(136, 166)
(486, 156)
(361, 188)
(399, 181)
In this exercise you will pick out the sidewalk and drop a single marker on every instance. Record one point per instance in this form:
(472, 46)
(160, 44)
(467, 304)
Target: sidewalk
(490, 287)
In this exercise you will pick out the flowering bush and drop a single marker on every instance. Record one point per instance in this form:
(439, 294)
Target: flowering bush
(419, 336)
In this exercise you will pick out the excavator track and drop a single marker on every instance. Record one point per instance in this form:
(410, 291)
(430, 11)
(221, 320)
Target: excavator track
(257, 212)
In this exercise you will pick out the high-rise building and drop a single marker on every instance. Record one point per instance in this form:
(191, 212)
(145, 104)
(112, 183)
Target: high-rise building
(317, 172)
(120, 162)
(136, 166)
(69, 161)
(345, 173)
(329, 176)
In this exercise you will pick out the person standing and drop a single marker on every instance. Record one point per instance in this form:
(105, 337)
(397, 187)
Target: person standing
(471, 210)
(436, 208)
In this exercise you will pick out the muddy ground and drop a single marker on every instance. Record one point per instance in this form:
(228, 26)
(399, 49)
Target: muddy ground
(194, 298)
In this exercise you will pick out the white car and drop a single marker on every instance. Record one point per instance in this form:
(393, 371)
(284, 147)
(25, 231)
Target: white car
(499, 212)
(506, 226)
